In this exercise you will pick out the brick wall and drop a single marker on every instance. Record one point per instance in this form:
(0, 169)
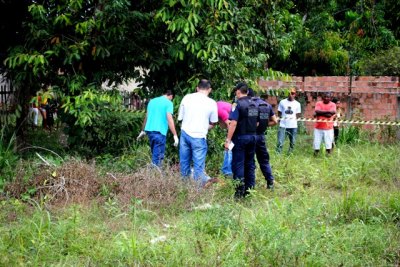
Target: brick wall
(364, 97)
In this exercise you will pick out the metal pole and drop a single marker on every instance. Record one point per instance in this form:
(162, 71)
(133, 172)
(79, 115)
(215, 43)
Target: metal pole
(349, 108)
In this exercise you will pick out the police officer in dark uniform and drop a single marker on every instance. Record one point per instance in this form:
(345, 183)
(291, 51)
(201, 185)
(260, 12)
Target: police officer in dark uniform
(267, 118)
(242, 133)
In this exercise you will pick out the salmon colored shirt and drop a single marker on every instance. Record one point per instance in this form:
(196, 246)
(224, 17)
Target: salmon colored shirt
(324, 107)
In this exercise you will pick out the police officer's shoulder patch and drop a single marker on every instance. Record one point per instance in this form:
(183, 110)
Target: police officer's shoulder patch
(234, 106)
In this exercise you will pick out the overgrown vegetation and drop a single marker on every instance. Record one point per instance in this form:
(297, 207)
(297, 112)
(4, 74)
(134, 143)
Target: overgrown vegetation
(110, 133)
(385, 62)
(337, 210)
(76, 46)
(8, 159)
(91, 198)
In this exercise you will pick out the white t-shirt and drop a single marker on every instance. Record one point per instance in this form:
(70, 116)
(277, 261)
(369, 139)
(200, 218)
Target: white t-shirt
(196, 112)
(288, 110)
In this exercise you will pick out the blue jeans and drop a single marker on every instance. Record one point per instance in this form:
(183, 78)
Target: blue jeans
(193, 150)
(282, 132)
(263, 159)
(157, 145)
(243, 164)
(227, 164)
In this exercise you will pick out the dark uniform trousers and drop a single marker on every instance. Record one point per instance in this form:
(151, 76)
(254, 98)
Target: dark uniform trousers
(263, 159)
(243, 164)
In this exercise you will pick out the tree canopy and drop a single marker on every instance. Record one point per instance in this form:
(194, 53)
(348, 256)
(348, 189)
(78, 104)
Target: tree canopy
(338, 35)
(76, 45)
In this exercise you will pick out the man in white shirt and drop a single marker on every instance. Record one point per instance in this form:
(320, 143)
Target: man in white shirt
(198, 114)
(289, 110)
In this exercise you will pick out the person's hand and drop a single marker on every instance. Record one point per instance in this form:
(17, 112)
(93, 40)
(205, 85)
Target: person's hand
(176, 140)
(226, 144)
(142, 133)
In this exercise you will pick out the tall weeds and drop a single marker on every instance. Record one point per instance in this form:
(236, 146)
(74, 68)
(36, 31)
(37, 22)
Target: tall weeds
(8, 158)
(337, 210)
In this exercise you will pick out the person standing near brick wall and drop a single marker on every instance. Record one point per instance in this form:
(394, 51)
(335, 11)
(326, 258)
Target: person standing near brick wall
(339, 113)
(289, 109)
(323, 128)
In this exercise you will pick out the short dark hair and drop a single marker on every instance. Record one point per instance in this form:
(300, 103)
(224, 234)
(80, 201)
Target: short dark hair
(204, 84)
(327, 94)
(335, 100)
(169, 92)
(242, 86)
(250, 92)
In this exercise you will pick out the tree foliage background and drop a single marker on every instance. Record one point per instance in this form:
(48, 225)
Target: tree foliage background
(75, 46)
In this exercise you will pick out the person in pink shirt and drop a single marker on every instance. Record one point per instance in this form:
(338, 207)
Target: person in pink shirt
(224, 108)
(323, 129)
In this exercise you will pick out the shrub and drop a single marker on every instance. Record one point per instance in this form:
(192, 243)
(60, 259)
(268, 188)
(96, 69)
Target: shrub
(111, 133)
(8, 159)
(384, 63)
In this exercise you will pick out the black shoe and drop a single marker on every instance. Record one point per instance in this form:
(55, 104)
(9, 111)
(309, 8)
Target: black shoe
(270, 187)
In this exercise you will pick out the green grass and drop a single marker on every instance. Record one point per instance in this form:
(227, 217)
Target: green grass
(341, 210)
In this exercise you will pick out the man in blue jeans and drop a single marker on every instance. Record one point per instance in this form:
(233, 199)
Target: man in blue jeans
(267, 119)
(198, 114)
(156, 123)
(242, 133)
(289, 109)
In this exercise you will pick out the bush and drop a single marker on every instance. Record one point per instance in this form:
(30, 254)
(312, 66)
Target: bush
(111, 133)
(385, 63)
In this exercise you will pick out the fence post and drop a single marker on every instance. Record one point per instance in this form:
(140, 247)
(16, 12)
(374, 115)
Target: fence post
(349, 108)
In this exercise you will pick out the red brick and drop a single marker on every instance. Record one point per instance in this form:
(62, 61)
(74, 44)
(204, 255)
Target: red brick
(368, 97)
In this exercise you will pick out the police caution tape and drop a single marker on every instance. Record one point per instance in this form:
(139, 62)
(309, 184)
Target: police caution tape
(393, 123)
(124, 110)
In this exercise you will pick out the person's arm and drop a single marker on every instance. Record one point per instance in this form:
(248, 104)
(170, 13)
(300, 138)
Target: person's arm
(144, 122)
(171, 123)
(233, 117)
(171, 126)
(213, 117)
(181, 110)
(327, 114)
(280, 109)
(142, 132)
(273, 121)
(320, 112)
(298, 110)
(323, 113)
(231, 130)
(227, 123)
(223, 117)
